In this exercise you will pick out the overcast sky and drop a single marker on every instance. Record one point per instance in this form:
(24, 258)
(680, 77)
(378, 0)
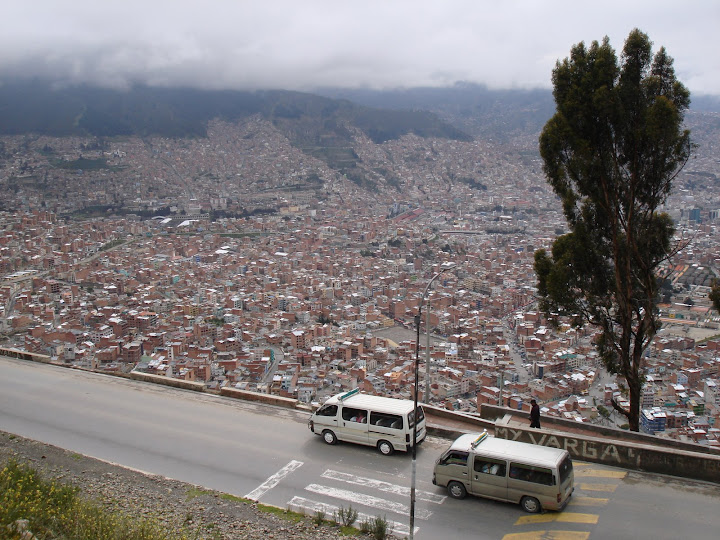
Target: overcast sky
(302, 44)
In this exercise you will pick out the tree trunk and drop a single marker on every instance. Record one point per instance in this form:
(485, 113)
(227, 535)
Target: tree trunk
(634, 388)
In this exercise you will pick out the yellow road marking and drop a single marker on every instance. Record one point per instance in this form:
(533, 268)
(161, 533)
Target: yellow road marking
(561, 517)
(597, 473)
(609, 488)
(589, 501)
(548, 535)
(539, 518)
(575, 517)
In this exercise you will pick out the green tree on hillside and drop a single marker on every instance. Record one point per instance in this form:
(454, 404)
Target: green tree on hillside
(714, 295)
(611, 153)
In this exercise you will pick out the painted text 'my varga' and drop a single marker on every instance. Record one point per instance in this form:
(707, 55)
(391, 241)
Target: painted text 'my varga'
(578, 448)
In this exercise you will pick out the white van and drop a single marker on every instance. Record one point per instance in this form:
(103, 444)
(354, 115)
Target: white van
(383, 422)
(536, 477)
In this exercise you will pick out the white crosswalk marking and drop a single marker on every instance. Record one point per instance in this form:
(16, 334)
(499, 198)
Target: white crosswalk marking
(383, 486)
(307, 506)
(367, 500)
(273, 481)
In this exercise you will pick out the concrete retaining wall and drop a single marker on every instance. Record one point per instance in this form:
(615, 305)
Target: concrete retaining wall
(270, 399)
(24, 355)
(493, 412)
(619, 453)
(468, 420)
(167, 381)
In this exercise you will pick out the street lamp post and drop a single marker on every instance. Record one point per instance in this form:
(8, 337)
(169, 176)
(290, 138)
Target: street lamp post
(414, 448)
(426, 397)
(418, 318)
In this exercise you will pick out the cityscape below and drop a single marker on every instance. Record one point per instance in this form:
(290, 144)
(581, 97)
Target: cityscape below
(240, 260)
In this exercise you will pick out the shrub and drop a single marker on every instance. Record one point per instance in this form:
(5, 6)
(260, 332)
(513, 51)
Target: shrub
(31, 505)
(346, 516)
(380, 528)
(319, 517)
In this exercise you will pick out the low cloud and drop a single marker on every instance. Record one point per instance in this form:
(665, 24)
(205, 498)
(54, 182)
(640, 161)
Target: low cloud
(303, 45)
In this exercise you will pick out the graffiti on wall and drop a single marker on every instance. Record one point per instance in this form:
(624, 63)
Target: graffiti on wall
(577, 448)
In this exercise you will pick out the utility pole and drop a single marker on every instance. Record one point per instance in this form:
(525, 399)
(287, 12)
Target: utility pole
(447, 266)
(502, 382)
(418, 318)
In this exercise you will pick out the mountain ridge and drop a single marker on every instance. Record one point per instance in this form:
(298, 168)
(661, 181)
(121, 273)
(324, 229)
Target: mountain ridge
(27, 107)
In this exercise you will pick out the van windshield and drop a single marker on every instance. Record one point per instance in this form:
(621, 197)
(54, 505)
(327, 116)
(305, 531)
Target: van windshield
(327, 410)
(411, 416)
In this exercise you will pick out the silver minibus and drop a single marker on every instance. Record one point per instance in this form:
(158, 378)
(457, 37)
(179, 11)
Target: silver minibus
(536, 477)
(383, 422)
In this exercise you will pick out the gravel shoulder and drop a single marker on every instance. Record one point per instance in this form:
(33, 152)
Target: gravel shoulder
(209, 514)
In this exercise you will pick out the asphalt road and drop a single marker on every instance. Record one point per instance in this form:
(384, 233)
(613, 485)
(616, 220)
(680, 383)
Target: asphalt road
(268, 454)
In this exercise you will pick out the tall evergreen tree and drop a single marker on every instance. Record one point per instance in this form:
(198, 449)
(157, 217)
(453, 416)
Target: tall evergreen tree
(715, 294)
(611, 153)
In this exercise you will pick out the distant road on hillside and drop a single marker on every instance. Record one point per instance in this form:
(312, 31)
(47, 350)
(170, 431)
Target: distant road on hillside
(398, 334)
(685, 328)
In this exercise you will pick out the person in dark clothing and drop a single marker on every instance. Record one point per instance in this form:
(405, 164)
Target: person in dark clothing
(534, 414)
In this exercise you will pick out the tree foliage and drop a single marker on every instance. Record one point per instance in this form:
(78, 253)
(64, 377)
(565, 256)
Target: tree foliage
(714, 295)
(611, 152)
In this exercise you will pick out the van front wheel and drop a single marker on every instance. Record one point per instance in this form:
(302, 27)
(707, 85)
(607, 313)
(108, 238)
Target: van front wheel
(385, 448)
(329, 437)
(530, 505)
(456, 490)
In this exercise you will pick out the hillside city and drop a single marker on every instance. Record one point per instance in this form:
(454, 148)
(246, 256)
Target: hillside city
(239, 260)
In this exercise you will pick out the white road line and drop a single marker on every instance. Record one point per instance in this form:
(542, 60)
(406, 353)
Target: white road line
(383, 486)
(367, 500)
(309, 507)
(273, 481)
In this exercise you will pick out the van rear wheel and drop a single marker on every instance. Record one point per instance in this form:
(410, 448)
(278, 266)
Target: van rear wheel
(456, 490)
(385, 448)
(530, 505)
(329, 437)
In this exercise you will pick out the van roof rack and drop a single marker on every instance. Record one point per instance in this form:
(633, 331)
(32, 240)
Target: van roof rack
(481, 438)
(349, 394)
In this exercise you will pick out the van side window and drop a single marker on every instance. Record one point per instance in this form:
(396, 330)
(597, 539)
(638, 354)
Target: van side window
(455, 458)
(354, 415)
(528, 473)
(327, 410)
(485, 465)
(386, 420)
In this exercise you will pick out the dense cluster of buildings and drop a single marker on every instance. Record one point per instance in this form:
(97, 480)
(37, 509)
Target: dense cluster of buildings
(321, 295)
